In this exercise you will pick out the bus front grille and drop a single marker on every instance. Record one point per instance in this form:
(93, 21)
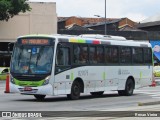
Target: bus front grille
(29, 78)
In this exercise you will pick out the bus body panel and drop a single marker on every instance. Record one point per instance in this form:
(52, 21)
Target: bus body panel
(113, 78)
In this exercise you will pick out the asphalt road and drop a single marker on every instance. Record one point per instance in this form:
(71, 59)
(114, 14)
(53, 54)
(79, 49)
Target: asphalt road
(110, 101)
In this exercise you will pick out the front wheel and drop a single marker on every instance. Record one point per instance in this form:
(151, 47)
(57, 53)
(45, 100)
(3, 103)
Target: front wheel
(75, 91)
(40, 97)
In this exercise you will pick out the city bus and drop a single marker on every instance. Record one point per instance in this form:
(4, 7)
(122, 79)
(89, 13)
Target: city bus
(70, 65)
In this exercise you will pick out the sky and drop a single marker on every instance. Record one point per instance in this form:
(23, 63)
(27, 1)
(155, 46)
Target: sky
(136, 10)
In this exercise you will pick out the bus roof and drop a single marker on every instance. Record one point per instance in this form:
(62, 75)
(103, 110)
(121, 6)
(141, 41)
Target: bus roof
(110, 40)
(93, 39)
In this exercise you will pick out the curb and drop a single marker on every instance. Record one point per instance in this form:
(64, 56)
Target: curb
(148, 103)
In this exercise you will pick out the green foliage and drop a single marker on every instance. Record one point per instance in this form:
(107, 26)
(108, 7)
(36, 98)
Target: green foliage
(9, 8)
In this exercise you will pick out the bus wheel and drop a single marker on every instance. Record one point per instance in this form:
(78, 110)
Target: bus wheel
(121, 92)
(40, 97)
(97, 93)
(75, 91)
(128, 89)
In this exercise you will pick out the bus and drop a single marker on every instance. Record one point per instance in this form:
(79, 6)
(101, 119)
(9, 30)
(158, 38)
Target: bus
(70, 65)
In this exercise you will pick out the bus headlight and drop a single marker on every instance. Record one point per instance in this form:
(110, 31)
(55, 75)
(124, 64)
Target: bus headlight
(46, 81)
(12, 79)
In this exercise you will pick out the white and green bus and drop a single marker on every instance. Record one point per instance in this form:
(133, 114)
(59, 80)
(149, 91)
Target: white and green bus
(61, 64)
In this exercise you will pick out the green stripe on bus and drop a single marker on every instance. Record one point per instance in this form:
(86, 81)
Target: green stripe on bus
(104, 75)
(140, 75)
(81, 41)
(29, 83)
(72, 76)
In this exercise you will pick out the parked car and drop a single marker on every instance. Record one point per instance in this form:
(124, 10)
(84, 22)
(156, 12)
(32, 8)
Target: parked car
(3, 73)
(156, 71)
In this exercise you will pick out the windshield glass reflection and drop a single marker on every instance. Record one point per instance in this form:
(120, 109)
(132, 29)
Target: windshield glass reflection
(32, 59)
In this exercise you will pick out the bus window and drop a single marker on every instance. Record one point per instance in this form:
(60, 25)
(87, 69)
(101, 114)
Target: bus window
(100, 55)
(80, 54)
(83, 55)
(62, 59)
(76, 54)
(147, 55)
(111, 54)
(92, 55)
(125, 55)
(63, 56)
(137, 55)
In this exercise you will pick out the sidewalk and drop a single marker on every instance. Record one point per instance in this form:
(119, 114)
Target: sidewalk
(136, 113)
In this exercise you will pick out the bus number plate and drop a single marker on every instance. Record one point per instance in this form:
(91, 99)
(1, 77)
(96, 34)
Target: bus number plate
(27, 89)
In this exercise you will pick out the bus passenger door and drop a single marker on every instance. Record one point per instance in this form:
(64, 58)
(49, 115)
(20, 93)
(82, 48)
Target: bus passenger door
(62, 70)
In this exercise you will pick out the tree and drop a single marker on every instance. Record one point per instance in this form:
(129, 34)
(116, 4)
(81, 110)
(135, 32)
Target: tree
(9, 8)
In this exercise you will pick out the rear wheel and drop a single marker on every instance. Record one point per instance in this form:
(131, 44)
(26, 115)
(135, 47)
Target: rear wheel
(75, 91)
(40, 97)
(128, 89)
(121, 92)
(97, 93)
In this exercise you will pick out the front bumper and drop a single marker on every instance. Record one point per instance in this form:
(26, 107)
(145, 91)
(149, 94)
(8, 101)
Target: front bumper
(40, 90)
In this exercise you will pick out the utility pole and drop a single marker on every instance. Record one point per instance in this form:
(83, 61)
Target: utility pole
(105, 29)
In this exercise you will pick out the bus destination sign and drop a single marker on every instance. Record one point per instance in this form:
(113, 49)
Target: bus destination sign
(34, 41)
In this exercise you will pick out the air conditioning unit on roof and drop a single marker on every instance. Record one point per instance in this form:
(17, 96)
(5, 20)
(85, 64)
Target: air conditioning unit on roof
(99, 36)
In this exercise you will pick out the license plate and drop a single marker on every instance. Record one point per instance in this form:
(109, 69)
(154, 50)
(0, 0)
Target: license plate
(27, 89)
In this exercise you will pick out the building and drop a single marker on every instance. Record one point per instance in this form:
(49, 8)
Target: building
(42, 19)
(118, 24)
(113, 24)
(150, 24)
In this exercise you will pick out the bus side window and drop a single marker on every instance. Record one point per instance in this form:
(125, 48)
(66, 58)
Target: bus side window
(83, 55)
(111, 54)
(92, 55)
(76, 54)
(80, 53)
(100, 55)
(60, 56)
(125, 55)
(62, 59)
(137, 55)
(147, 55)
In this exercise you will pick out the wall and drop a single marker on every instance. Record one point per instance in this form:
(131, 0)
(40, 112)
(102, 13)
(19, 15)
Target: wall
(42, 19)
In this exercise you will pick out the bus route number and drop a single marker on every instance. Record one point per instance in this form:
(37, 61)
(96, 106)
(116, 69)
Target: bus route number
(83, 73)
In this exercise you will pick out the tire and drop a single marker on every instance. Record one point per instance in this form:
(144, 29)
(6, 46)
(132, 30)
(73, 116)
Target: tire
(129, 88)
(121, 92)
(40, 97)
(97, 93)
(75, 91)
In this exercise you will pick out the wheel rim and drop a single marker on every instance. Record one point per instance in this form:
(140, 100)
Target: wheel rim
(130, 88)
(76, 90)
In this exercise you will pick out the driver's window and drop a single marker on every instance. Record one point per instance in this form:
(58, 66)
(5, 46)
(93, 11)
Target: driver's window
(63, 56)
(62, 59)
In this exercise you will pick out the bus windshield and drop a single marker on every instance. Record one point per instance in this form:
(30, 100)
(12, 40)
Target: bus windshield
(32, 59)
